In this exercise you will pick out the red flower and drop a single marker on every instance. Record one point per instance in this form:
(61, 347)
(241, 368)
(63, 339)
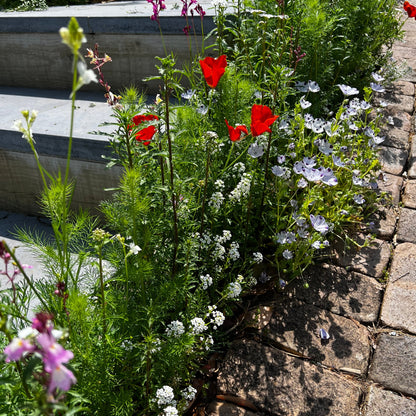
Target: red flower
(213, 69)
(139, 118)
(411, 10)
(145, 135)
(236, 132)
(261, 119)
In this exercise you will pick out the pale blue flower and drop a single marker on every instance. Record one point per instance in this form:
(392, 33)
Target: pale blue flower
(287, 254)
(377, 87)
(304, 103)
(319, 224)
(359, 199)
(347, 90)
(323, 334)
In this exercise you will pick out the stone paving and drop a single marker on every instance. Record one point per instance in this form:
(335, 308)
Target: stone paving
(364, 298)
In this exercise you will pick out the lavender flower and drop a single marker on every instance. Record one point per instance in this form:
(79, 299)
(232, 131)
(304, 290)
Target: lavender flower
(347, 90)
(319, 224)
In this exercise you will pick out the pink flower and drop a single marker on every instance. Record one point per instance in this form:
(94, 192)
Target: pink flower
(53, 353)
(158, 6)
(61, 378)
(15, 350)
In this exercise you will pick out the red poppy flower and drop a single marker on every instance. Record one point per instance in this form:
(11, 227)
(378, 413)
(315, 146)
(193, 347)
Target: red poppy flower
(213, 69)
(236, 132)
(145, 135)
(411, 10)
(261, 119)
(139, 118)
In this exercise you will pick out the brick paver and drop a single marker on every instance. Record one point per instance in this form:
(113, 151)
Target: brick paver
(394, 363)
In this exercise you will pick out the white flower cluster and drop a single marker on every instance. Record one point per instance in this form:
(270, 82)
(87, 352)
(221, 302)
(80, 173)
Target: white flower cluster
(155, 346)
(258, 257)
(206, 240)
(189, 393)
(175, 329)
(218, 252)
(219, 184)
(221, 239)
(209, 342)
(165, 396)
(242, 189)
(234, 290)
(206, 281)
(234, 253)
(239, 167)
(217, 319)
(170, 411)
(198, 326)
(216, 200)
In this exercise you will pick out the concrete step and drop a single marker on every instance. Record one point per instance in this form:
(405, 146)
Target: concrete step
(37, 58)
(20, 182)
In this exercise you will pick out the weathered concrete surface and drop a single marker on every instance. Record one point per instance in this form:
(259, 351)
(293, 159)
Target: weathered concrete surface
(412, 160)
(223, 408)
(394, 363)
(409, 195)
(281, 385)
(295, 326)
(392, 185)
(349, 294)
(383, 222)
(398, 310)
(406, 226)
(19, 194)
(371, 259)
(386, 403)
(393, 159)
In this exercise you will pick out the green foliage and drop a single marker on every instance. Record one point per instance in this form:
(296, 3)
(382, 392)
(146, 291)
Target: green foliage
(201, 215)
(330, 42)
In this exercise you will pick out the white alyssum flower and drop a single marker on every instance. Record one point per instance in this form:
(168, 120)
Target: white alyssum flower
(257, 257)
(165, 395)
(234, 290)
(209, 342)
(206, 281)
(170, 411)
(242, 189)
(226, 236)
(189, 393)
(218, 252)
(219, 184)
(216, 200)
(233, 252)
(175, 329)
(198, 325)
(218, 318)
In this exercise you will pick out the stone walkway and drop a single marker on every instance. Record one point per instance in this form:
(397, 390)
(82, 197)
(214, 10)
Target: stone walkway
(365, 299)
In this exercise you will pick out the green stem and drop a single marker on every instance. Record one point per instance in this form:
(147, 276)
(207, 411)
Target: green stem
(100, 266)
(25, 276)
(175, 216)
(266, 170)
